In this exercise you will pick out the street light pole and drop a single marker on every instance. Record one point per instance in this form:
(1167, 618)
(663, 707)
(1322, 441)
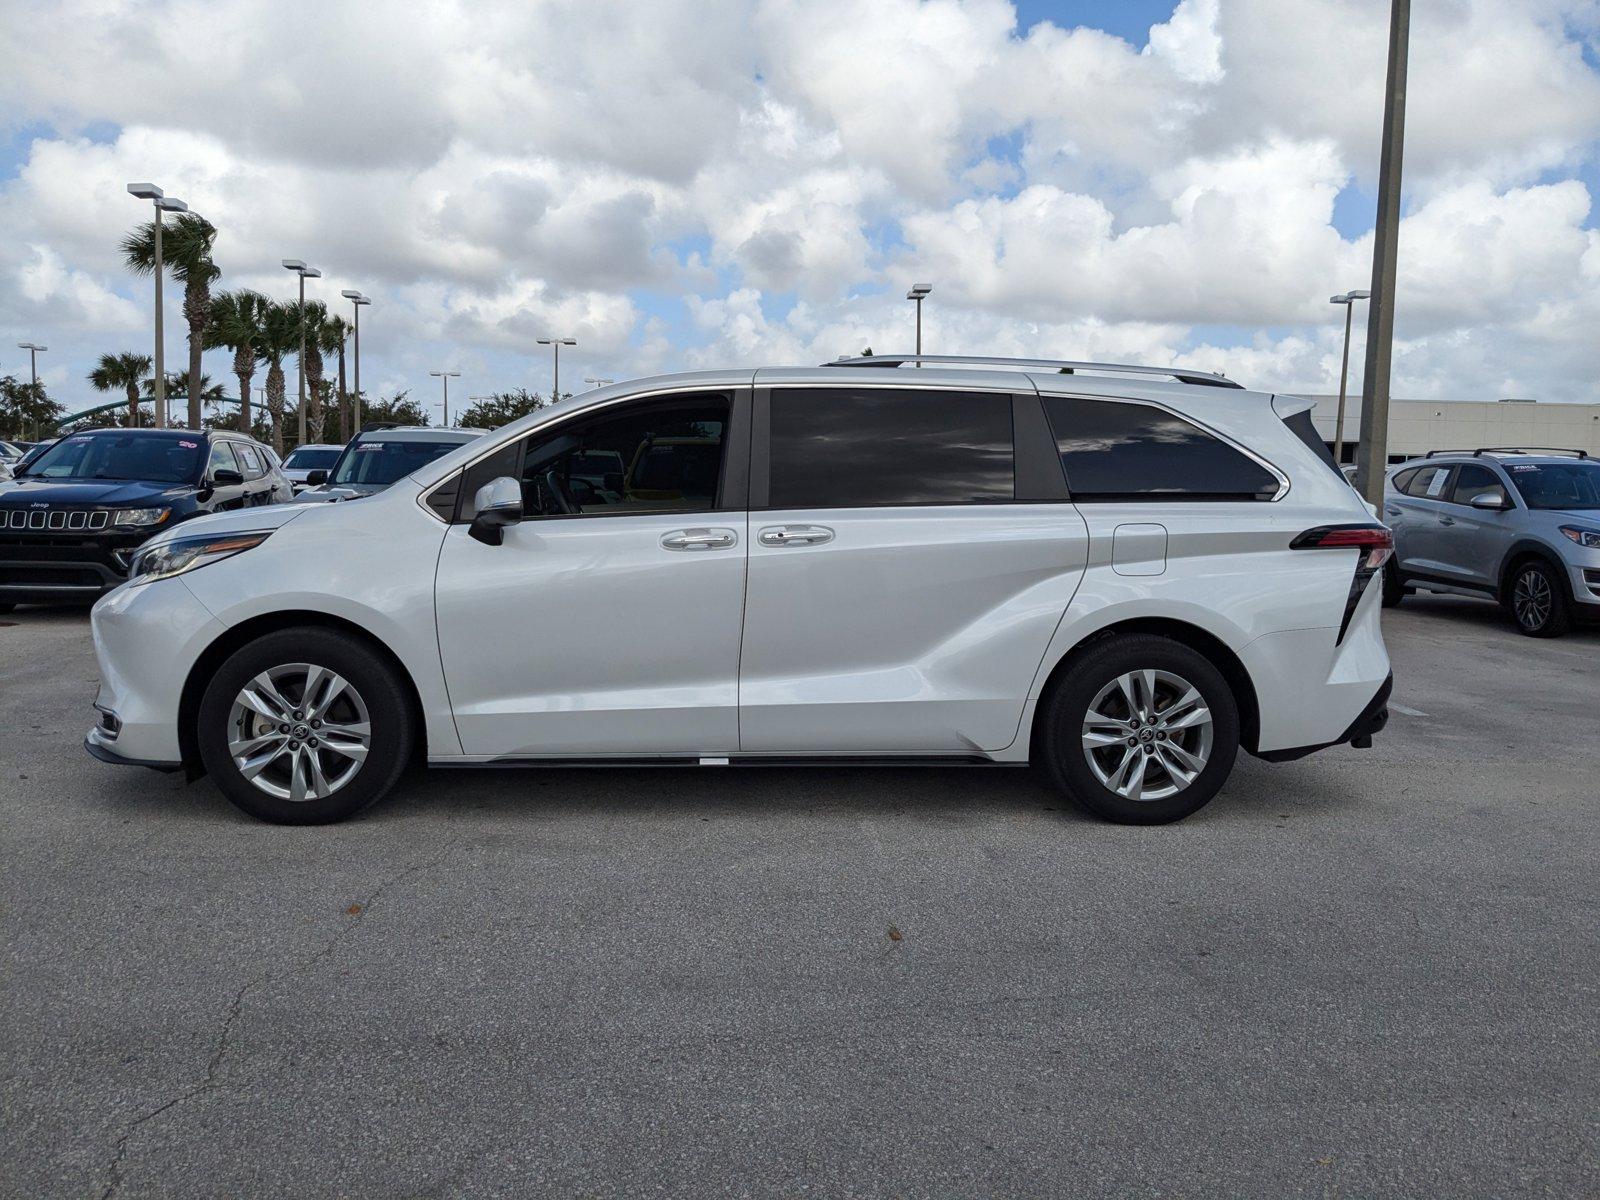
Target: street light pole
(555, 392)
(446, 376)
(161, 202)
(299, 267)
(1347, 299)
(1373, 455)
(918, 293)
(592, 381)
(33, 350)
(357, 300)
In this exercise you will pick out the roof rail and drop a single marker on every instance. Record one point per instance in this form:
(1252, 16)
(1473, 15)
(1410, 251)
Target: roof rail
(1063, 366)
(1531, 450)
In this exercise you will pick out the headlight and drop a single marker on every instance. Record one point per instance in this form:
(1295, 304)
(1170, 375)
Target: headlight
(141, 518)
(187, 554)
(1588, 538)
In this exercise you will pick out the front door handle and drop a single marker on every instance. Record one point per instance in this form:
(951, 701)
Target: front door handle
(699, 539)
(1390, 510)
(1447, 520)
(795, 535)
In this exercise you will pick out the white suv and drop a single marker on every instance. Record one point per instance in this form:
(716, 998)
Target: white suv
(1119, 577)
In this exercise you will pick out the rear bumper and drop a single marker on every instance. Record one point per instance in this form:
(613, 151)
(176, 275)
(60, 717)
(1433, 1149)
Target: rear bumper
(1371, 721)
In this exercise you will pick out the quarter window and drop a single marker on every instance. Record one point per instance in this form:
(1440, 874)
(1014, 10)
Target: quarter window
(872, 447)
(1428, 483)
(1120, 451)
(650, 457)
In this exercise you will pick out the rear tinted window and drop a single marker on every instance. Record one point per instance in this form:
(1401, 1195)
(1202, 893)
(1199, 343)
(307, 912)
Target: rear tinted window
(868, 447)
(1303, 428)
(1428, 483)
(1118, 451)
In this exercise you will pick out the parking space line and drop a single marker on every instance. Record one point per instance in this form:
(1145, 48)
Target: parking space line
(1408, 711)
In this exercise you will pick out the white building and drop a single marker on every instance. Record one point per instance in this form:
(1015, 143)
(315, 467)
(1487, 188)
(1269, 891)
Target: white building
(1417, 426)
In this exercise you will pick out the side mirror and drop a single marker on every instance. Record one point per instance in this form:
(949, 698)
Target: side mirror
(226, 477)
(1497, 501)
(316, 478)
(499, 503)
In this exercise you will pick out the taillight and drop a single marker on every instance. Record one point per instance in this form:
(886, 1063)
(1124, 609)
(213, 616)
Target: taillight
(1376, 540)
(1376, 544)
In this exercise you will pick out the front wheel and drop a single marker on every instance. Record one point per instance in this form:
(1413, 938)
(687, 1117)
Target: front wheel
(305, 727)
(1538, 601)
(1143, 730)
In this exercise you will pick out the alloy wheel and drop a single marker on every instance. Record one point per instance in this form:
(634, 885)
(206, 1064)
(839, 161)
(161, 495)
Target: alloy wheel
(299, 732)
(1532, 599)
(1147, 735)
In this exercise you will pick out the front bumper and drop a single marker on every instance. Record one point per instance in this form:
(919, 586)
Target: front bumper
(52, 566)
(97, 748)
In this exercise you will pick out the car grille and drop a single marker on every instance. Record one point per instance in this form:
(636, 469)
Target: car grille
(55, 520)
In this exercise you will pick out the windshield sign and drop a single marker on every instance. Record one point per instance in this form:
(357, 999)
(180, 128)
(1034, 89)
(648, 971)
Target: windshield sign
(381, 463)
(1558, 485)
(151, 457)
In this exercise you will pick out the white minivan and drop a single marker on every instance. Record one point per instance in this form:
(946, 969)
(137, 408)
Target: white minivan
(1120, 574)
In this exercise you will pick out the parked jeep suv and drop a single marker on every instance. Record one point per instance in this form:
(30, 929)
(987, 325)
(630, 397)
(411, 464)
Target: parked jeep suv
(1517, 526)
(1121, 578)
(72, 518)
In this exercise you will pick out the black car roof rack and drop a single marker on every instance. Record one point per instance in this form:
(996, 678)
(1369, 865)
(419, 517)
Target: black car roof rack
(1482, 450)
(1062, 366)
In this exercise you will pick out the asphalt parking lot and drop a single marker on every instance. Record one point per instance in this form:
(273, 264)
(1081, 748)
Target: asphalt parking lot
(1362, 973)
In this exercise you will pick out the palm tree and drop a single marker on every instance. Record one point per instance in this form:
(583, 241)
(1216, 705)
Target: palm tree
(315, 316)
(335, 332)
(280, 337)
(128, 371)
(186, 249)
(178, 388)
(236, 320)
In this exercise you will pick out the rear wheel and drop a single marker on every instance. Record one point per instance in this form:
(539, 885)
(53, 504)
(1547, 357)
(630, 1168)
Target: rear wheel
(1539, 601)
(305, 727)
(1143, 730)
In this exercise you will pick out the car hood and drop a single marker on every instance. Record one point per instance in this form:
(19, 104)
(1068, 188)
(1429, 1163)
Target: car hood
(1591, 515)
(28, 491)
(268, 516)
(329, 494)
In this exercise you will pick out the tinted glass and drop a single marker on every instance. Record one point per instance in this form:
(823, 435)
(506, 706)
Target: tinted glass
(1114, 451)
(653, 456)
(380, 463)
(1474, 480)
(1428, 483)
(844, 448)
(1401, 479)
(249, 460)
(1557, 485)
(156, 457)
(222, 458)
(311, 460)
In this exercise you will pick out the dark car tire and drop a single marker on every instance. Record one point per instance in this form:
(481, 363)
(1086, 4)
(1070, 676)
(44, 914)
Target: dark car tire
(6, 606)
(1066, 759)
(373, 686)
(1394, 588)
(1537, 600)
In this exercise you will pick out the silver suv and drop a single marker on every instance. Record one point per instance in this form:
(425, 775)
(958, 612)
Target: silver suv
(1521, 526)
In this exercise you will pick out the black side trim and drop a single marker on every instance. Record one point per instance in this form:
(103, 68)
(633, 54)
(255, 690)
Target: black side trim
(1434, 577)
(110, 756)
(1371, 721)
(738, 760)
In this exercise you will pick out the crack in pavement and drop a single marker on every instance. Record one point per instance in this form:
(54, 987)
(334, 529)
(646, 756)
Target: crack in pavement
(236, 1009)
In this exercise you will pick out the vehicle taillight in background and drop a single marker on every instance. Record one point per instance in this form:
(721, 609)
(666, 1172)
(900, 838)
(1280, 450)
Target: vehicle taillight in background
(1376, 544)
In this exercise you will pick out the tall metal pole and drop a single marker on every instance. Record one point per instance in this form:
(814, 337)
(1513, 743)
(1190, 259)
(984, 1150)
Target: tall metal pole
(161, 357)
(1344, 378)
(556, 394)
(446, 379)
(300, 366)
(1373, 455)
(355, 407)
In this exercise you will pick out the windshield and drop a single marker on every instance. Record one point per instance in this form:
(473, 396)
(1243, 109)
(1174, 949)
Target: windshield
(153, 457)
(1557, 485)
(381, 463)
(311, 460)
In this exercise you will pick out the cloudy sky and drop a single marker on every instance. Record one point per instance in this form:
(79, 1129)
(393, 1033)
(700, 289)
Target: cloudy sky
(690, 183)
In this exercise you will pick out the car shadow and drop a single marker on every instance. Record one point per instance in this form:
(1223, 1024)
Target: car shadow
(1485, 614)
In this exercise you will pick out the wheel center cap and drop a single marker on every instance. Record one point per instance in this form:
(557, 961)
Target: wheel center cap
(302, 731)
(1146, 736)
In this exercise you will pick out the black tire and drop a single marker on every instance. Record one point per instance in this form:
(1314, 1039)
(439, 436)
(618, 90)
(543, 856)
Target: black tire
(6, 606)
(1394, 588)
(1066, 759)
(1537, 599)
(372, 683)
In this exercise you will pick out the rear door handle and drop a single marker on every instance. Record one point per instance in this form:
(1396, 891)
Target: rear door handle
(699, 539)
(1391, 510)
(795, 535)
(1447, 520)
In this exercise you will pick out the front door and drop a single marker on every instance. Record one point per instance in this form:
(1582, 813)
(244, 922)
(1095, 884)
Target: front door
(1472, 541)
(607, 623)
(901, 595)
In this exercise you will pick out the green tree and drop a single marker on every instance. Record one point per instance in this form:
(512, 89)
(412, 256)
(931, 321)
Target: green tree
(236, 324)
(399, 409)
(127, 371)
(280, 337)
(501, 409)
(186, 251)
(26, 408)
(335, 334)
(314, 316)
(178, 389)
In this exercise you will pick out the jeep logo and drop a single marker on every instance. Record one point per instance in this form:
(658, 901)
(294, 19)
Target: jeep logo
(38, 504)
